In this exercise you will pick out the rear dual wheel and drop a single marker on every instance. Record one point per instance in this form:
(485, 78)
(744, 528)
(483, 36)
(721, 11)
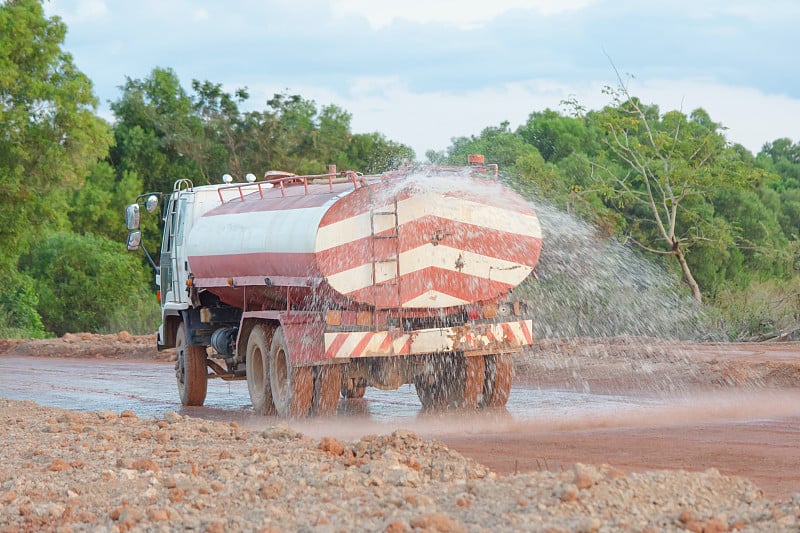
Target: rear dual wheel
(327, 385)
(257, 367)
(456, 381)
(497, 381)
(292, 387)
(277, 386)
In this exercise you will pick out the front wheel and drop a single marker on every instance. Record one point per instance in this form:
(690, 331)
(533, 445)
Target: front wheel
(190, 369)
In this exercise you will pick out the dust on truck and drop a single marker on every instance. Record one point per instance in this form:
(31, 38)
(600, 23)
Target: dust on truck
(316, 287)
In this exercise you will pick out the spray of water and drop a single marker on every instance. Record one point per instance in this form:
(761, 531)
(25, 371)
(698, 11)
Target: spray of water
(602, 315)
(590, 286)
(586, 285)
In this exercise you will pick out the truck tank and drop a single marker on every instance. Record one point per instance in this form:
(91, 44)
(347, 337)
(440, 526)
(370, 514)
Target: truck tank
(410, 241)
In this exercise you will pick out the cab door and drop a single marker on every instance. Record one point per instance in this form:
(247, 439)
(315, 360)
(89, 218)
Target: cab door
(174, 266)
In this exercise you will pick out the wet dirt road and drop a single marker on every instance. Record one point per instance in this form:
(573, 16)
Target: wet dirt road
(755, 433)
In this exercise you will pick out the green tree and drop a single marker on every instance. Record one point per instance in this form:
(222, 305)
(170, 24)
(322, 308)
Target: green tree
(759, 235)
(334, 136)
(782, 158)
(223, 145)
(556, 136)
(497, 143)
(659, 171)
(98, 206)
(18, 302)
(158, 133)
(373, 152)
(51, 136)
(293, 135)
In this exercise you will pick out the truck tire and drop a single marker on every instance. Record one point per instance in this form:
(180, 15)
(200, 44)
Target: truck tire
(292, 387)
(257, 367)
(497, 385)
(442, 385)
(190, 369)
(327, 385)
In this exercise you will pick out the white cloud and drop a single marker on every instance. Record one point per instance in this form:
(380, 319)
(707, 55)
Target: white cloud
(428, 121)
(459, 13)
(752, 117)
(424, 85)
(755, 12)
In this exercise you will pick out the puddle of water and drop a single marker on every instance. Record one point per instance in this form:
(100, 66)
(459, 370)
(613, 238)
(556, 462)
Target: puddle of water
(149, 390)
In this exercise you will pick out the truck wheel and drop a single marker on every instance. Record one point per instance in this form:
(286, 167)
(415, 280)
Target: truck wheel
(443, 385)
(354, 388)
(327, 382)
(190, 369)
(257, 366)
(497, 384)
(292, 387)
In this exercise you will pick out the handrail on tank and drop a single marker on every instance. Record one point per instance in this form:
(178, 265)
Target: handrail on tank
(283, 181)
(476, 164)
(183, 184)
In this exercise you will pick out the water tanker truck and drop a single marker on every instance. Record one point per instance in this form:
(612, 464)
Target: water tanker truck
(316, 287)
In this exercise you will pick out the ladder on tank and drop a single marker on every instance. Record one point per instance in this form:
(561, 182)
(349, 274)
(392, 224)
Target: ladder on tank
(385, 266)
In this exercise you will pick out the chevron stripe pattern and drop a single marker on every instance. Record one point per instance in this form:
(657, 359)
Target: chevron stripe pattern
(488, 338)
(405, 247)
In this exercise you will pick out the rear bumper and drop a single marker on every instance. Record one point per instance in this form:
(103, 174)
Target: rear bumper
(471, 339)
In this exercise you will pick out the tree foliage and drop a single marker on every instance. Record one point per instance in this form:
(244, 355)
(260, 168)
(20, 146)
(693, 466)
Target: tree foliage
(660, 170)
(164, 133)
(50, 133)
(86, 282)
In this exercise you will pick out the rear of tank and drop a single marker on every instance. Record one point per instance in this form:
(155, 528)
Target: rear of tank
(428, 242)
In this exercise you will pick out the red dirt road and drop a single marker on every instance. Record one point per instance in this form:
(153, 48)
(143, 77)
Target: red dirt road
(733, 407)
(737, 409)
(767, 451)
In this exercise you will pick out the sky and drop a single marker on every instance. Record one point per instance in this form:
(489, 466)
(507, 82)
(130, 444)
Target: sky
(423, 72)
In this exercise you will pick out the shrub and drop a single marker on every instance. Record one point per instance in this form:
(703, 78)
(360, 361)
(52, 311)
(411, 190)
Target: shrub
(90, 283)
(761, 307)
(18, 315)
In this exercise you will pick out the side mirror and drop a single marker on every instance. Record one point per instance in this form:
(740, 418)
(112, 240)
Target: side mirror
(132, 217)
(134, 240)
(151, 203)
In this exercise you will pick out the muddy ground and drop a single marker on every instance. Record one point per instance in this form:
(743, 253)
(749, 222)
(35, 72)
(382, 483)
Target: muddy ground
(733, 407)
